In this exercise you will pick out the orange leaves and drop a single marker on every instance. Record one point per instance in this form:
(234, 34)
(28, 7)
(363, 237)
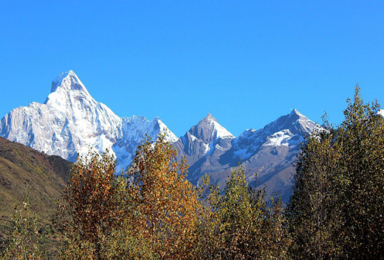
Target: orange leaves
(166, 202)
(154, 212)
(92, 202)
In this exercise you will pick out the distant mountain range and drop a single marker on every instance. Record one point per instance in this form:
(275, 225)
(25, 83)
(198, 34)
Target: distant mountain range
(70, 122)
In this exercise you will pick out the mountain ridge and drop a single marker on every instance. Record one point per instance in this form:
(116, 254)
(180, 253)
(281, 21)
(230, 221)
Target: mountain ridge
(269, 151)
(70, 121)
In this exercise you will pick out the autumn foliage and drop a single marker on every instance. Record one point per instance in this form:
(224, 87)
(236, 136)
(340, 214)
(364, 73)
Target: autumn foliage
(93, 207)
(152, 211)
(24, 240)
(165, 205)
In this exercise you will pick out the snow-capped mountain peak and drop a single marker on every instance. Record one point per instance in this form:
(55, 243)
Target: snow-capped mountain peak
(68, 81)
(207, 138)
(288, 130)
(295, 122)
(67, 90)
(208, 130)
(70, 122)
(209, 117)
(304, 122)
(296, 112)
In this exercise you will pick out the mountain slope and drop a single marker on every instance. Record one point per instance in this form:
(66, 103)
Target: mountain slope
(269, 151)
(70, 122)
(25, 171)
(207, 139)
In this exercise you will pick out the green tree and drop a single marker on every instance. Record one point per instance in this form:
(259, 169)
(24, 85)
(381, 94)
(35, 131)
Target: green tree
(312, 211)
(247, 228)
(338, 200)
(24, 242)
(360, 182)
(208, 242)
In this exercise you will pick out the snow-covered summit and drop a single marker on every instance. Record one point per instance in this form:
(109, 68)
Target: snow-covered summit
(68, 81)
(208, 130)
(71, 121)
(288, 130)
(296, 112)
(207, 138)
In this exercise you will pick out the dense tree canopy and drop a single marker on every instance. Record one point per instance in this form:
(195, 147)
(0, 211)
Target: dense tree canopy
(165, 204)
(151, 211)
(248, 228)
(94, 206)
(337, 206)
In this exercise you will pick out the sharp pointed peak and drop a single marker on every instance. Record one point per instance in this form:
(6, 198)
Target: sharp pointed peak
(68, 80)
(209, 117)
(296, 113)
(59, 79)
(208, 129)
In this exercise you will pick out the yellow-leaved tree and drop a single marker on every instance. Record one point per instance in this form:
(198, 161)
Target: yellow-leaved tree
(166, 205)
(93, 208)
(149, 212)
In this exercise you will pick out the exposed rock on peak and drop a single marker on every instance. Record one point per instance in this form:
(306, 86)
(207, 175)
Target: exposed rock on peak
(209, 117)
(204, 142)
(286, 130)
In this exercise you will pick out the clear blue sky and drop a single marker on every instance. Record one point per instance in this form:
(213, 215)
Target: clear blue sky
(246, 62)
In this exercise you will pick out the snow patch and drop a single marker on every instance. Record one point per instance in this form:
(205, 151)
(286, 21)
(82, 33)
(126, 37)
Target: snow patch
(280, 138)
